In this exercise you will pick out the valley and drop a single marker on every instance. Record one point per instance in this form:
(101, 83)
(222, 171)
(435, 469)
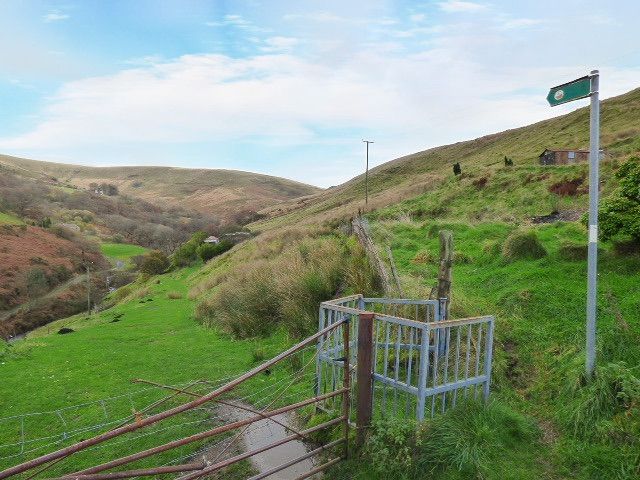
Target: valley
(215, 319)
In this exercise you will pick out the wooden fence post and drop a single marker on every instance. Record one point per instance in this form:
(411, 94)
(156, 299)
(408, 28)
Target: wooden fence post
(364, 375)
(444, 272)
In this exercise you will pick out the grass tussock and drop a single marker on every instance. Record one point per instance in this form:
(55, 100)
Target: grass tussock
(467, 442)
(523, 245)
(263, 295)
(173, 295)
(597, 407)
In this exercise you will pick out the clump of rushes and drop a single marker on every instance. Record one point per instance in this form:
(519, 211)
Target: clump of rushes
(523, 245)
(260, 296)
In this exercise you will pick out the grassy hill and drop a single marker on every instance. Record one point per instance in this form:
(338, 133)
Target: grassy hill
(222, 193)
(421, 172)
(544, 421)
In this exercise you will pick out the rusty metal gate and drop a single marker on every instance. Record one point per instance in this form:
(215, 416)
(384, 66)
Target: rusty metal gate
(149, 462)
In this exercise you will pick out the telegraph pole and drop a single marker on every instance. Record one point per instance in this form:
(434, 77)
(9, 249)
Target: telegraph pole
(86, 265)
(366, 175)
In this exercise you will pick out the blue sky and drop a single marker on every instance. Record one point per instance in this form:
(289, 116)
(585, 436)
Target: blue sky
(291, 88)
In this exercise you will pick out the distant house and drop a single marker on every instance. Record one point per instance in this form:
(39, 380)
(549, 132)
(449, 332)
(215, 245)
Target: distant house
(565, 156)
(212, 239)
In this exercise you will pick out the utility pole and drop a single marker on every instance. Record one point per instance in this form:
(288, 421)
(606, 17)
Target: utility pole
(86, 266)
(588, 86)
(366, 175)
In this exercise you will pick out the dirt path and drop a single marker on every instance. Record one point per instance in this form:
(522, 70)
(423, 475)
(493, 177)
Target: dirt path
(264, 432)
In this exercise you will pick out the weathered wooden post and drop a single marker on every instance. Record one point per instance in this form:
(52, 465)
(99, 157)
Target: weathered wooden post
(364, 376)
(346, 326)
(444, 272)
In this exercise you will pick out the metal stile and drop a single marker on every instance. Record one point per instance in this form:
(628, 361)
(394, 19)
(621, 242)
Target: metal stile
(418, 355)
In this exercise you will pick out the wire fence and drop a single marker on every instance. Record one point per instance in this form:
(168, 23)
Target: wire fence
(30, 435)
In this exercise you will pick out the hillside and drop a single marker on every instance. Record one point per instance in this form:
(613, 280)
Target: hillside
(219, 318)
(222, 193)
(421, 172)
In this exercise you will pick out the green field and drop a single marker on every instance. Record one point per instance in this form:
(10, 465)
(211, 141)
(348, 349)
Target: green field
(8, 219)
(153, 337)
(121, 251)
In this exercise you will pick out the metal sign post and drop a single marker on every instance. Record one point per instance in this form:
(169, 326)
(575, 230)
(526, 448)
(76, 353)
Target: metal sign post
(588, 86)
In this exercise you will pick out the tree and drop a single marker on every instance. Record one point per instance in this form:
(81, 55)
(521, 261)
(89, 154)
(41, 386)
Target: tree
(37, 283)
(207, 251)
(620, 213)
(187, 253)
(155, 263)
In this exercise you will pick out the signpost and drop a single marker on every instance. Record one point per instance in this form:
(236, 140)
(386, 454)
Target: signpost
(581, 88)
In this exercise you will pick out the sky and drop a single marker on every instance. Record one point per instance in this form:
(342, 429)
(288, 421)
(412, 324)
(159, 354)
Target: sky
(291, 88)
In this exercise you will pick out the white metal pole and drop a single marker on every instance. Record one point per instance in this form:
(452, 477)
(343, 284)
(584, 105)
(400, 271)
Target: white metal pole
(592, 262)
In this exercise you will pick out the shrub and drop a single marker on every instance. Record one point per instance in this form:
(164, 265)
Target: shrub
(207, 251)
(625, 247)
(173, 295)
(154, 263)
(186, 253)
(392, 443)
(620, 213)
(62, 232)
(523, 245)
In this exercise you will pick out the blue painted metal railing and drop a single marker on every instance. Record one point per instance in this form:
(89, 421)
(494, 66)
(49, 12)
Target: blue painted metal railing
(423, 363)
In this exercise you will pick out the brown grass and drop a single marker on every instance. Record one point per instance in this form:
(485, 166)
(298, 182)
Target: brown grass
(283, 283)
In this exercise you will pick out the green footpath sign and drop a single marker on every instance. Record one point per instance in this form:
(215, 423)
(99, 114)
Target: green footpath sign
(570, 91)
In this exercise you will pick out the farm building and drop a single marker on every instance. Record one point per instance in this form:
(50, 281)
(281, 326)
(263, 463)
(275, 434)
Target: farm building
(565, 156)
(212, 239)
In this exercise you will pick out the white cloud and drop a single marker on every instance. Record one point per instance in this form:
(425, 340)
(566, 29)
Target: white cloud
(409, 86)
(279, 44)
(237, 21)
(459, 6)
(55, 16)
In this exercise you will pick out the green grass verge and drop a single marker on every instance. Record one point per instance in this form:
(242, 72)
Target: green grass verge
(540, 334)
(8, 219)
(148, 336)
(121, 251)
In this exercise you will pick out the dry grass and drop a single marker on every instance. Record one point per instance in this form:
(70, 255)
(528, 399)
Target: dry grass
(218, 192)
(283, 283)
(174, 295)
